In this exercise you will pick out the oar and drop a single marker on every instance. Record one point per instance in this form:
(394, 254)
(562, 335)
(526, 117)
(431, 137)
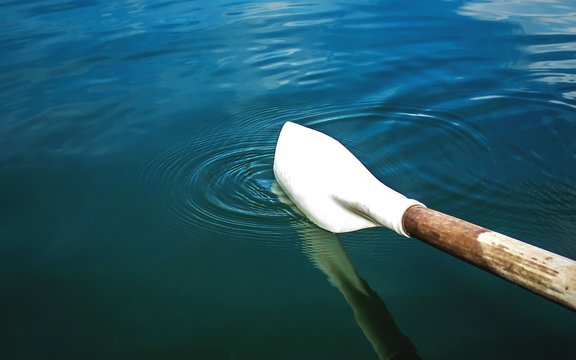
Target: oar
(336, 192)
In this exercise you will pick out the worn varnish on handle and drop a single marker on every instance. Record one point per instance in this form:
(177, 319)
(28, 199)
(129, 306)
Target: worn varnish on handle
(543, 272)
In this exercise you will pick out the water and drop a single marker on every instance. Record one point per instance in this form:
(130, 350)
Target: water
(137, 217)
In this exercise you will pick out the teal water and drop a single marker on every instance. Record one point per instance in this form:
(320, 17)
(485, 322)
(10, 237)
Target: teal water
(137, 217)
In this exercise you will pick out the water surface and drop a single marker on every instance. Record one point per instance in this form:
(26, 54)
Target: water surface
(137, 217)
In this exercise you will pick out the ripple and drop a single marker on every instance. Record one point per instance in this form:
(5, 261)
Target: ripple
(221, 178)
(221, 182)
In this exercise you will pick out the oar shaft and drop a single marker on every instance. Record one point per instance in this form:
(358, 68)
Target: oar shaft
(541, 271)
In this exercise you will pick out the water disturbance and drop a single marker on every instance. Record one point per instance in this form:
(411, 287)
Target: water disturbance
(138, 211)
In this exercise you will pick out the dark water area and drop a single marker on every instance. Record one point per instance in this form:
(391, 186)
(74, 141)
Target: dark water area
(137, 211)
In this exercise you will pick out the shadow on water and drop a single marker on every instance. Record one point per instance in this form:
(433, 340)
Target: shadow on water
(326, 252)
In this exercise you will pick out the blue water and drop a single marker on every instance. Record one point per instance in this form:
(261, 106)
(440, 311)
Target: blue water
(137, 217)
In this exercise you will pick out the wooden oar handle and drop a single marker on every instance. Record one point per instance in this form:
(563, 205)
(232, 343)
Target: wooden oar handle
(543, 272)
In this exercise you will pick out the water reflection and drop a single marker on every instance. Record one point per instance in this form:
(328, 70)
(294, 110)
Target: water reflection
(535, 16)
(548, 29)
(326, 252)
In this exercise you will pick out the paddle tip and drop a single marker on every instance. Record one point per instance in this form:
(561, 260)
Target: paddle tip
(293, 129)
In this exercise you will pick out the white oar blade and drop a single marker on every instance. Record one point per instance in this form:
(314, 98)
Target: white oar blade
(331, 186)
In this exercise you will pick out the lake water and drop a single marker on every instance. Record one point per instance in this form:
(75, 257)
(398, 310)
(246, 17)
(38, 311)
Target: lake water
(137, 212)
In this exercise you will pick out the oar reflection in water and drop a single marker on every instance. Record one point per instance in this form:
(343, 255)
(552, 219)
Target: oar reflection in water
(326, 252)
